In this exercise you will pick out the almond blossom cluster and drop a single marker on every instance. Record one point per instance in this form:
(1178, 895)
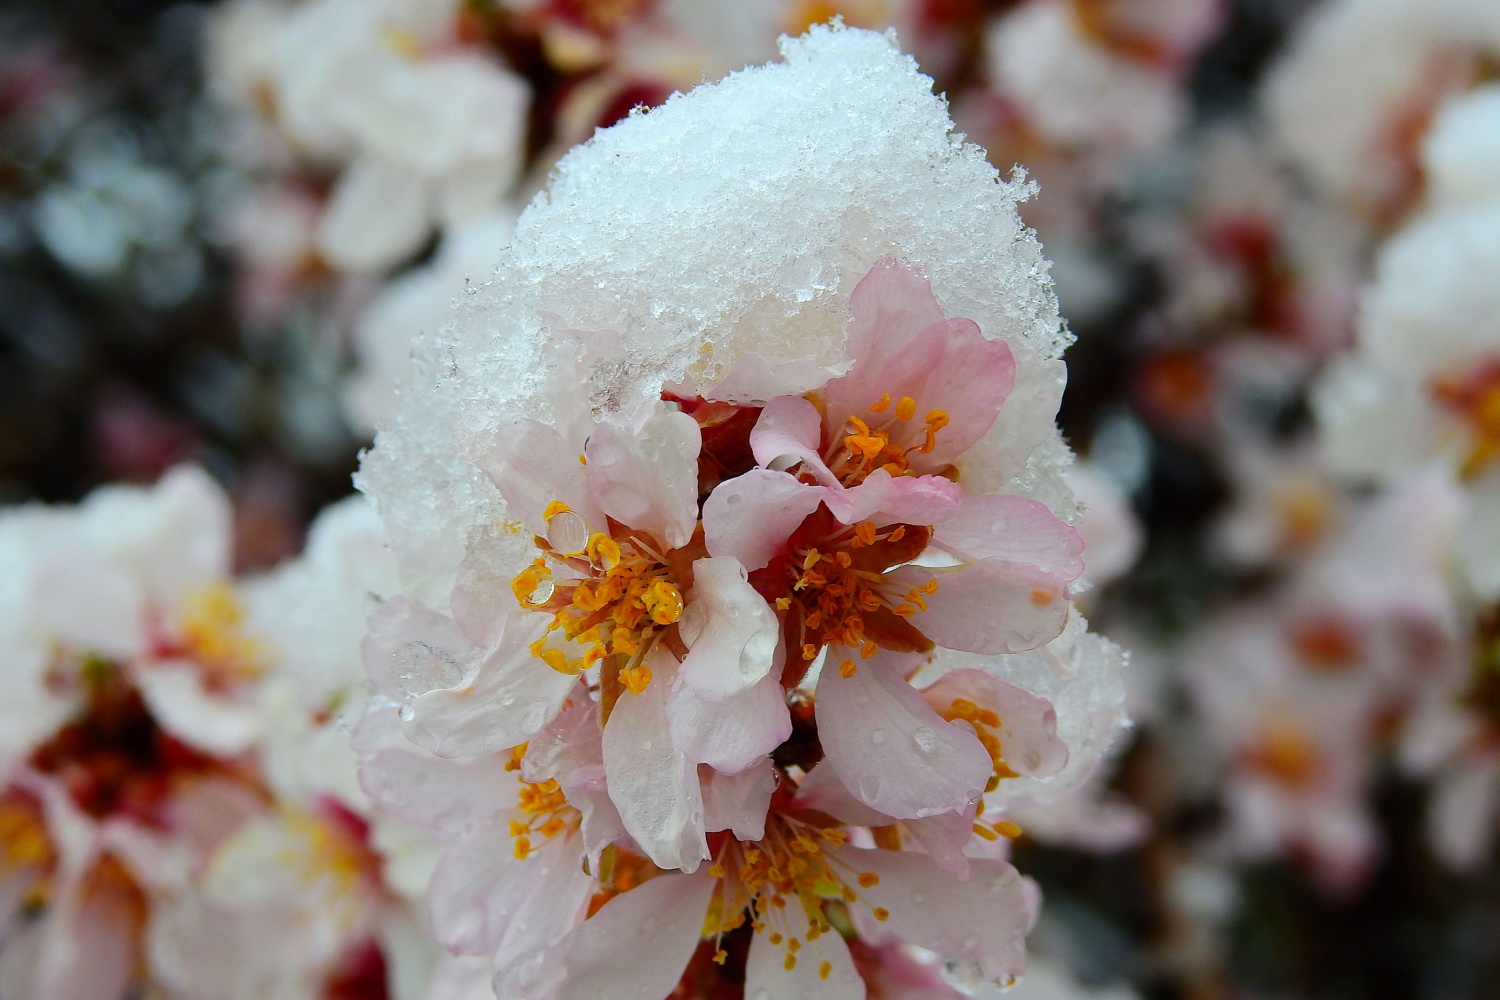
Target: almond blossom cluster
(735, 675)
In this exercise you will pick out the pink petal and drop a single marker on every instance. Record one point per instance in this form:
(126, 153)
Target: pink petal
(478, 888)
(417, 786)
(822, 968)
(990, 606)
(652, 782)
(732, 635)
(890, 749)
(508, 699)
(789, 432)
(950, 367)
(889, 308)
(647, 477)
(887, 499)
(730, 733)
(944, 838)
(531, 464)
(570, 750)
(1028, 724)
(822, 790)
(638, 944)
(983, 918)
(750, 517)
(1016, 529)
(404, 635)
(738, 802)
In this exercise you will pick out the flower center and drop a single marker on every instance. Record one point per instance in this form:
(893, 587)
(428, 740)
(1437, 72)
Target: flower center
(212, 632)
(114, 758)
(789, 866)
(25, 849)
(834, 575)
(1475, 399)
(542, 809)
(886, 441)
(1284, 753)
(615, 598)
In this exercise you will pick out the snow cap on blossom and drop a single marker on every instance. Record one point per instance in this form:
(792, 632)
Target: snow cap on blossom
(805, 174)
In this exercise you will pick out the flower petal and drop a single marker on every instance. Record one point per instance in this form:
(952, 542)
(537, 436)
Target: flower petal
(647, 478)
(731, 633)
(212, 723)
(729, 734)
(638, 944)
(1016, 529)
(651, 781)
(891, 750)
(821, 968)
(738, 802)
(750, 517)
(1028, 724)
(532, 464)
(506, 701)
(789, 432)
(420, 787)
(889, 308)
(983, 918)
(411, 649)
(991, 606)
(887, 499)
(479, 887)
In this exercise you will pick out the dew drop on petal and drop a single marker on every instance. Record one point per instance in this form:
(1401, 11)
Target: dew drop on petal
(877, 737)
(964, 975)
(419, 668)
(925, 739)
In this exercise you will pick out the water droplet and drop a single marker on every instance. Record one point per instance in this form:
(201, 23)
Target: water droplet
(508, 698)
(964, 975)
(877, 737)
(1031, 760)
(734, 500)
(925, 739)
(646, 745)
(761, 994)
(566, 532)
(418, 668)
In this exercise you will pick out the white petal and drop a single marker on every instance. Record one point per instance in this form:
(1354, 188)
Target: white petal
(983, 918)
(638, 944)
(730, 733)
(891, 750)
(750, 517)
(511, 696)
(651, 781)
(738, 802)
(731, 633)
(211, 723)
(647, 478)
(378, 215)
(820, 970)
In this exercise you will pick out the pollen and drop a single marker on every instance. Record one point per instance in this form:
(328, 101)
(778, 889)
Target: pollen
(825, 970)
(1041, 598)
(212, 631)
(868, 880)
(618, 597)
(906, 409)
